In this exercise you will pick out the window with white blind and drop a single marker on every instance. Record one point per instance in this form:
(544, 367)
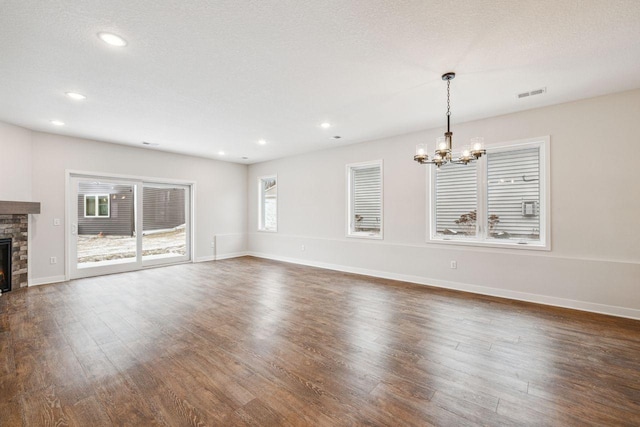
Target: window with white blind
(502, 199)
(268, 203)
(456, 200)
(364, 189)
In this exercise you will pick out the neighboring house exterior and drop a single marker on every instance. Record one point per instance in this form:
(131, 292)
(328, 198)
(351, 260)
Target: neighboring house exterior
(108, 209)
(163, 208)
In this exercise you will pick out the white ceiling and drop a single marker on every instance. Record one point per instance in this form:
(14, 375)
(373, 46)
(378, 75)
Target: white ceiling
(200, 76)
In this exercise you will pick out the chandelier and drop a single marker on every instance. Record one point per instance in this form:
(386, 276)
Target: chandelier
(444, 145)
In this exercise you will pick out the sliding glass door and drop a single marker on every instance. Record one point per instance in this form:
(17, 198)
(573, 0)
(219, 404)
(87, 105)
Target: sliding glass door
(165, 220)
(121, 225)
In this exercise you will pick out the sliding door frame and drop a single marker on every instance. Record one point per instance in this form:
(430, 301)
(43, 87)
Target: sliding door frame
(69, 195)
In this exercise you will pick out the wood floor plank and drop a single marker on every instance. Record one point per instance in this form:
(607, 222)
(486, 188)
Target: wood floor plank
(9, 386)
(88, 412)
(44, 408)
(255, 342)
(63, 368)
(122, 401)
(287, 403)
(31, 372)
(79, 339)
(96, 366)
(255, 413)
(7, 357)
(470, 411)
(10, 413)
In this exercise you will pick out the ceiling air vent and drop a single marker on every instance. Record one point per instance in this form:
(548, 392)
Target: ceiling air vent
(532, 93)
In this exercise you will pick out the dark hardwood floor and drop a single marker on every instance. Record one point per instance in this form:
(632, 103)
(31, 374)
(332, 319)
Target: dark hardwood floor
(255, 342)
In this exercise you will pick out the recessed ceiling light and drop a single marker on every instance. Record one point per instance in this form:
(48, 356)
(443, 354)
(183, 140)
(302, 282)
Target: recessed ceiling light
(336, 137)
(75, 95)
(245, 158)
(150, 144)
(112, 39)
(221, 153)
(57, 122)
(325, 125)
(262, 141)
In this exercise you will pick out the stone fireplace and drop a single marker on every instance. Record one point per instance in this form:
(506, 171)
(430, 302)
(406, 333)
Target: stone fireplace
(14, 237)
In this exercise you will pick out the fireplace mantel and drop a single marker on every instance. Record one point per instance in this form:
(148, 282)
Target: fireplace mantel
(19, 208)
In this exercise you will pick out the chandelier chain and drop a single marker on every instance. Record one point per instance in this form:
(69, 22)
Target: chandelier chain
(448, 98)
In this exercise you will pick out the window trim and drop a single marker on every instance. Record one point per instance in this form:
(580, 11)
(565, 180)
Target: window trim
(349, 208)
(261, 226)
(481, 240)
(97, 205)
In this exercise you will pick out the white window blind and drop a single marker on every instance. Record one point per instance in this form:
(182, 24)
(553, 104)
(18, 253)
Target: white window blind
(513, 194)
(456, 200)
(365, 199)
(501, 199)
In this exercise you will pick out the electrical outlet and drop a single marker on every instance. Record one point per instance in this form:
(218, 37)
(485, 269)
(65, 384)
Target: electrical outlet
(53, 260)
(56, 221)
(213, 244)
(302, 248)
(454, 264)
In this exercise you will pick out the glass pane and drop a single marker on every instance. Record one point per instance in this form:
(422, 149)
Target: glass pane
(456, 200)
(110, 237)
(269, 204)
(163, 222)
(513, 194)
(90, 207)
(103, 205)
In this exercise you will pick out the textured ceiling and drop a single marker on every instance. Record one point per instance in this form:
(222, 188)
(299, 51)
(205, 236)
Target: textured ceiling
(200, 76)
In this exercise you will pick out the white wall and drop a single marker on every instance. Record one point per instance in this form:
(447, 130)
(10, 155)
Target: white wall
(15, 155)
(40, 172)
(594, 263)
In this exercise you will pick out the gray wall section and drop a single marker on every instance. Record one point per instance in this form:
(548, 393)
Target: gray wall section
(119, 223)
(163, 208)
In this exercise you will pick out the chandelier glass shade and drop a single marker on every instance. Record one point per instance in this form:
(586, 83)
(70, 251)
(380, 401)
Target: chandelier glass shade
(444, 145)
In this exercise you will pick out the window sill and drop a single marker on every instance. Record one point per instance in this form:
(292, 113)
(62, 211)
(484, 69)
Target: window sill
(531, 246)
(267, 231)
(372, 236)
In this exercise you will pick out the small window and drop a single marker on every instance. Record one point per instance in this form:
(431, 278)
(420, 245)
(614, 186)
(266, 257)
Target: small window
(268, 203)
(96, 206)
(502, 199)
(364, 181)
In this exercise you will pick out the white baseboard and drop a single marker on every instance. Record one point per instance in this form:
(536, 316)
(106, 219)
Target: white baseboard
(231, 255)
(47, 280)
(221, 256)
(465, 287)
